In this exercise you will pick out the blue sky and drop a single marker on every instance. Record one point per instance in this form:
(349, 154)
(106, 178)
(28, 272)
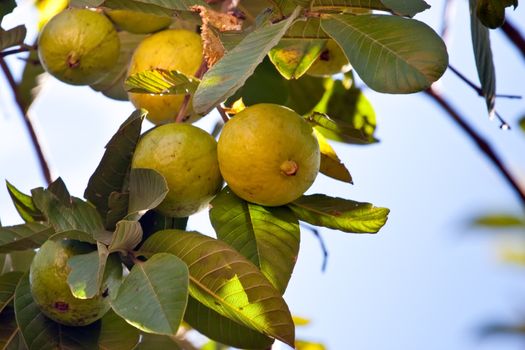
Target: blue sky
(428, 280)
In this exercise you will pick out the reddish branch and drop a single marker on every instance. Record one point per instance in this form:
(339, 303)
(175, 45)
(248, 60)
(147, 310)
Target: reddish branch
(482, 144)
(514, 36)
(44, 167)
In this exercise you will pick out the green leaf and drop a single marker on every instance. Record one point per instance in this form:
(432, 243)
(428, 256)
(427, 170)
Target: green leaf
(147, 189)
(6, 7)
(153, 297)
(491, 13)
(76, 235)
(499, 221)
(343, 130)
(40, 333)
(117, 334)
(331, 165)
(24, 204)
(522, 124)
(22, 237)
(112, 171)
(232, 70)
(127, 236)
(390, 53)
(350, 106)
(9, 336)
(75, 214)
(17, 261)
(483, 56)
(117, 208)
(112, 84)
(29, 86)
(222, 329)
(340, 214)
(225, 281)
(307, 345)
(292, 58)
(268, 237)
(89, 271)
(408, 8)
(12, 37)
(161, 81)
(156, 342)
(8, 283)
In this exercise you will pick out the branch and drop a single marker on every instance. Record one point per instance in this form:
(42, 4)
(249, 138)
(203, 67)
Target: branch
(482, 144)
(14, 51)
(514, 36)
(44, 167)
(181, 116)
(324, 250)
(223, 114)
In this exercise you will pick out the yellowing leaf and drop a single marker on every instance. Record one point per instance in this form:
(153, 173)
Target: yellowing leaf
(49, 8)
(331, 165)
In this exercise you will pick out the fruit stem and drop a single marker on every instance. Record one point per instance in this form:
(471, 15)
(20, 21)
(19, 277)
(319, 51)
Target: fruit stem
(289, 168)
(73, 61)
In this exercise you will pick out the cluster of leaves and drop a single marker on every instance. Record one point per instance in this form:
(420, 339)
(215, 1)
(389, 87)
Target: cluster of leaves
(229, 288)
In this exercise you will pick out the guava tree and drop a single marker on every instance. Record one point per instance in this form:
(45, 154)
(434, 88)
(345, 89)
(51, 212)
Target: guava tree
(117, 269)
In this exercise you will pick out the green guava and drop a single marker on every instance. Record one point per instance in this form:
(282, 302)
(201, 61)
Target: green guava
(48, 279)
(137, 22)
(332, 60)
(187, 157)
(172, 49)
(268, 154)
(78, 46)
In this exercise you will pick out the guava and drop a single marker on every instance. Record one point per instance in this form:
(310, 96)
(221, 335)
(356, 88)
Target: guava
(332, 60)
(172, 49)
(78, 46)
(187, 157)
(138, 22)
(268, 154)
(48, 279)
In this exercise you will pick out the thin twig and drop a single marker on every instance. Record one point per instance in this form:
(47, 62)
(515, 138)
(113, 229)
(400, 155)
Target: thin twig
(181, 115)
(44, 167)
(448, 11)
(482, 144)
(324, 250)
(477, 88)
(14, 51)
(223, 114)
(514, 36)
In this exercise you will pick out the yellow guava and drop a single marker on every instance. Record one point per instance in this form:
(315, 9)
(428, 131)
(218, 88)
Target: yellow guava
(138, 22)
(172, 49)
(48, 279)
(187, 157)
(332, 60)
(78, 46)
(268, 154)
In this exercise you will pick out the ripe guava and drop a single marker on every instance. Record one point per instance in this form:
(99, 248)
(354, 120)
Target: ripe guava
(138, 22)
(172, 49)
(332, 60)
(78, 46)
(268, 154)
(187, 157)
(48, 279)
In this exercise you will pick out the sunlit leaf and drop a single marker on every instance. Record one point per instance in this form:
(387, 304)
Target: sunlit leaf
(342, 130)
(222, 329)
(483, 56)
(153, 296)
(500, 221)
(157, 7)
(225, 281)
(230, 73)
(331, 165)
(391, 54)
(22, 237)
(268, 237)
(24, 204)
(161, 81)
(340, 214)
(292, 58)
(308, 345)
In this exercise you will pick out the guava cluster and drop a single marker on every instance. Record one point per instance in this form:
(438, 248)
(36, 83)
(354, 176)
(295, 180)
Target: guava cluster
(267, 154)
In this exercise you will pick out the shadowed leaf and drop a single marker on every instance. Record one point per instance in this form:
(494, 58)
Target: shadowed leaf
(12, 37)
(22, 237)
(331, 165)
(8, 283)
(147, 189)
(153, 296)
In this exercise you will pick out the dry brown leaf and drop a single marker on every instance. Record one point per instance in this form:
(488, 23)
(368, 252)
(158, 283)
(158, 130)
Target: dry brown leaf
(213, 48)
